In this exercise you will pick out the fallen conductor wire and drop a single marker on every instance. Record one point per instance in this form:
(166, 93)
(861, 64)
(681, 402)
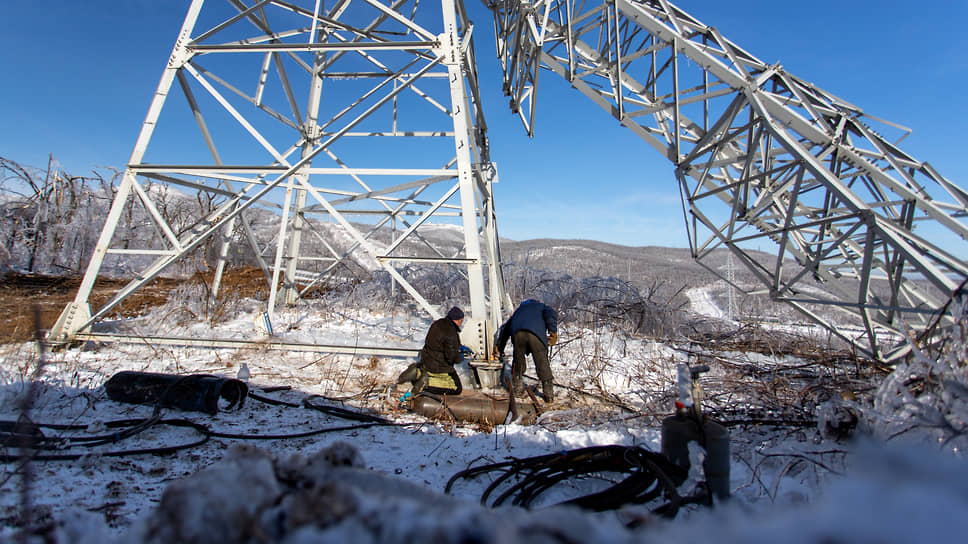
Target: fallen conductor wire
(650, 475)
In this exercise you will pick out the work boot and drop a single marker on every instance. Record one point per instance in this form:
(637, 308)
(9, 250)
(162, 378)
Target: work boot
(548, 388)
(419, 384)
(411, 374)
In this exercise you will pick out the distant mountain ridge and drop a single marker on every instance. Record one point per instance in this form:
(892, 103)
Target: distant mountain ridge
(662, 273)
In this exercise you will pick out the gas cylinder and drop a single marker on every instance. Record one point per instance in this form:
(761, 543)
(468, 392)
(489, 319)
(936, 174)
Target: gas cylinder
(679, 430)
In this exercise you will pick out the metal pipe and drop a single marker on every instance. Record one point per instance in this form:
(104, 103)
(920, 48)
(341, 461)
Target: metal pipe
(471, 409)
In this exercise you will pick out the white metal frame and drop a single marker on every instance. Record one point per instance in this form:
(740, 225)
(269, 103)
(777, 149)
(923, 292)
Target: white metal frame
(375, 76)
(763, 158)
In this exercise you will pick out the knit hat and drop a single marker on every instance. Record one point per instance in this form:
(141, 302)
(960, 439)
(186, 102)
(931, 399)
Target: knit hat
(455, 313)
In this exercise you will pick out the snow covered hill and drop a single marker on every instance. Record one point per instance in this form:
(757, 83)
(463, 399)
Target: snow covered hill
(702, 303)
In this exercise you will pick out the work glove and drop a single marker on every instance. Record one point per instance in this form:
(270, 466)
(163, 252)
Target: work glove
(552, 338)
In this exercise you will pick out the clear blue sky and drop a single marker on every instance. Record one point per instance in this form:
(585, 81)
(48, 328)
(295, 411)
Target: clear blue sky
(78, 77)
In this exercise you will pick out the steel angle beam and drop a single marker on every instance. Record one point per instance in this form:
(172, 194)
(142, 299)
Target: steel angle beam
(267, 344)
(272, 116)
(763, 159)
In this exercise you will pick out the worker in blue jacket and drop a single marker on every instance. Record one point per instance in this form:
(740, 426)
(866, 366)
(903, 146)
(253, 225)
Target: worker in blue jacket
(532, 328)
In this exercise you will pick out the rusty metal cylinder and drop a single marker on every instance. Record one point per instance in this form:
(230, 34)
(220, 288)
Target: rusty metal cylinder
(678, 431)
(471, 409)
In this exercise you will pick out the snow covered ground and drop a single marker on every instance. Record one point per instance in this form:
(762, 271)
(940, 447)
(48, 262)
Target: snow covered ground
(701, 301)
(792, 486)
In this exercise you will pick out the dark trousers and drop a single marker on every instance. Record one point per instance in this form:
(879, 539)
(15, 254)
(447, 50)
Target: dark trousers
(525, 343)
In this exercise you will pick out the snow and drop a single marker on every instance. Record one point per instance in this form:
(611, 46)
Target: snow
(788, 486)
(701, 301)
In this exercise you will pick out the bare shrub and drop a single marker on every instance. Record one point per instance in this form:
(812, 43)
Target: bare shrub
(45, 217)
(925, 399)
(597, 301)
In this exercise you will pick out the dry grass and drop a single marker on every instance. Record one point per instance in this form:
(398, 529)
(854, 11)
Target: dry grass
(22, 292)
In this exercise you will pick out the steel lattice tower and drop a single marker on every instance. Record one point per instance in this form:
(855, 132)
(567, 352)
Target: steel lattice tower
(358, 112)
(762, 158)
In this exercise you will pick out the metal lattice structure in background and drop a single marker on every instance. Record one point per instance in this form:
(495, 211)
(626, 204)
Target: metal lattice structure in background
(362, 113)
(763, 159)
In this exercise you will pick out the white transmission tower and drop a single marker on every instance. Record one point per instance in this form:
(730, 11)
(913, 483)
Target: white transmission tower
(762, 158)
(281, 115)
(731, 310)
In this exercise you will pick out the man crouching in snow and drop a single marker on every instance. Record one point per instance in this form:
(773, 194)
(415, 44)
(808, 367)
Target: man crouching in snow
(434, 372)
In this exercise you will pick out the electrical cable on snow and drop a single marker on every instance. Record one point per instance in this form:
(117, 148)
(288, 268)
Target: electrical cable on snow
(27, 435)
(274, 402)
(342, 412)
(207, 433)
(136, 424)
(650, 475)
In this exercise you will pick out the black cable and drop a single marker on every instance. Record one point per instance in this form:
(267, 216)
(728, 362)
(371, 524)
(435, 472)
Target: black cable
(574, 463)
(134, 426)
(162, 450)
(28, 435)
(646, 482)
(534, 464)
(274, 388)
(329, 410)
(11, 433)
(341, 412)
(650, 475)
(204, 430)
(274, 402)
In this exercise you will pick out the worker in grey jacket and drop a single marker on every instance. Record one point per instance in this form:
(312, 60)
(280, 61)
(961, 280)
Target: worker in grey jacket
(532, 328)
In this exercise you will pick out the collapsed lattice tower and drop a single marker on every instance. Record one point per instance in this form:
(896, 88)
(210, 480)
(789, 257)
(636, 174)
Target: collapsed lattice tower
(850, 225)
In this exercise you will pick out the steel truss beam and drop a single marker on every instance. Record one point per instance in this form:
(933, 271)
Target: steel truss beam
(763, 159)
(390, 134)
(228, 343)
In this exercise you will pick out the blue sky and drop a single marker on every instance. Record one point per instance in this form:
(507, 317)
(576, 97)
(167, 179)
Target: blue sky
(78, 77)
